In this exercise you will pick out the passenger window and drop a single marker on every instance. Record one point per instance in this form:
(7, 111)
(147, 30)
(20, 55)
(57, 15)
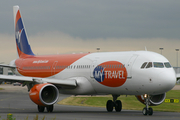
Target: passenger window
(158, 65)
(143, 65)
(167, 65)
(149, 65)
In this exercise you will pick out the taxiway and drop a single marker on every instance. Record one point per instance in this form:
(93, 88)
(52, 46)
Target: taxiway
(15, 100)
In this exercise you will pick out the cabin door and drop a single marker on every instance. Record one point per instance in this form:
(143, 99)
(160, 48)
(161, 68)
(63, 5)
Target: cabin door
(53, 69)
(130, 65)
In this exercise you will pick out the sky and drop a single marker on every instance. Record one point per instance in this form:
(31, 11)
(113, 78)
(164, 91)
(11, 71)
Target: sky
(73, 26)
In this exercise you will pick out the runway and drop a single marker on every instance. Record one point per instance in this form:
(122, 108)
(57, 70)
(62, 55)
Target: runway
(16, 101)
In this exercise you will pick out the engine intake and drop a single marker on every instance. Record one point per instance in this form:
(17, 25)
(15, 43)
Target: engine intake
(154, 99)
(44, 94)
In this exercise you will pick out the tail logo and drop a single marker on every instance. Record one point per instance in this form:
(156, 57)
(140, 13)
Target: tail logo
(22, 43)
(111, 74)
(18, 35)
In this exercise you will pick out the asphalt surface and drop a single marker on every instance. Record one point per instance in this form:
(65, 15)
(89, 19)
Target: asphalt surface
(15, 100)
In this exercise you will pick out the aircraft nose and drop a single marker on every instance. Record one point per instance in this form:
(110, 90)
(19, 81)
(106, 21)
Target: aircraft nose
(167, 79)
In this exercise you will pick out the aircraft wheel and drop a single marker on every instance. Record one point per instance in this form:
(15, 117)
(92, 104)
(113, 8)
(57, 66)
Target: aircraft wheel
(145, 111)
(150, 111)
(41, 108)
(109, 106)
(50, 108)
(118, 106)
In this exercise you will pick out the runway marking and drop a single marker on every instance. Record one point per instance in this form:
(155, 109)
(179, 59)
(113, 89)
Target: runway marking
(171, 100)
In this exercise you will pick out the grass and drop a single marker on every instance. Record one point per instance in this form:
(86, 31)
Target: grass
(128, 103)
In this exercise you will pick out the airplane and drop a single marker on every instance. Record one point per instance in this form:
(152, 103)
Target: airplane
(147, 75)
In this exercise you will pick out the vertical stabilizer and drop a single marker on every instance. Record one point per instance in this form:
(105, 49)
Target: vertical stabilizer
(23, 47)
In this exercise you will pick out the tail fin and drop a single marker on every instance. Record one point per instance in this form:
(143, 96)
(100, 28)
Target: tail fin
(23, 47)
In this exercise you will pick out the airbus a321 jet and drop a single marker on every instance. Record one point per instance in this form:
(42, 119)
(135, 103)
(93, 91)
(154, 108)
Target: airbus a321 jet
(147, 75)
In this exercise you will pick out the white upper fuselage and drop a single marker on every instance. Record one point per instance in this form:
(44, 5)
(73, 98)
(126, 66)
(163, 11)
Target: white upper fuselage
(113, 73)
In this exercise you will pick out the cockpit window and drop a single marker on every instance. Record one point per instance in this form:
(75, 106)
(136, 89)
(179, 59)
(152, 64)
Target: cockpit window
(149, 65)
(167, 65)
(158, 65)
(143, 65)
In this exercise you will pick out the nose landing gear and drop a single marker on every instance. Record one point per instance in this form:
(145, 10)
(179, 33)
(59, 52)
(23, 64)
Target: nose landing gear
(147, 110)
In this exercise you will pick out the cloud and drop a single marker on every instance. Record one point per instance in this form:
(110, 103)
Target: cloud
(96, 19)
(61, 43)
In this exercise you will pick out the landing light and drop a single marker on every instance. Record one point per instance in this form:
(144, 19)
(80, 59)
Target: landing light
(145, 95)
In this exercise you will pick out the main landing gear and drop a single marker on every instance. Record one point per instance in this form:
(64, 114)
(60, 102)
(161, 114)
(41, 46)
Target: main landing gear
(115, 103)
(49, 108)
(147, 110)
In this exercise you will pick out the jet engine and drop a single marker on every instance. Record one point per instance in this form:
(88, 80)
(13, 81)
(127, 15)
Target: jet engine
(44, 94)
(153, 99)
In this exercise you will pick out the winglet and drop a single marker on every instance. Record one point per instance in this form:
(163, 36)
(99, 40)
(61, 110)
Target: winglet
(23, 47)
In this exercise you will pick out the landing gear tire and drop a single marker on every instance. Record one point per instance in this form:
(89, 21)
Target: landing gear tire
(50, 108)
(118, 106)
(109, 106)
(145, 111)
(115, 103)
(41, 108)
(148, 111)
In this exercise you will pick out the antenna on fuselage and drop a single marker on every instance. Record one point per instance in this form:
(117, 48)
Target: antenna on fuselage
(145, 48)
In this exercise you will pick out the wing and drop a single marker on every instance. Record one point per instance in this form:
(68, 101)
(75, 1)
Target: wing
(8, 66)
(69, 83)
(178, 76)
(57, 82)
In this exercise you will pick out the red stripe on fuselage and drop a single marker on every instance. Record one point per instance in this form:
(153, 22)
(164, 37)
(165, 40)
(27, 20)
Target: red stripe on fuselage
(43, 66)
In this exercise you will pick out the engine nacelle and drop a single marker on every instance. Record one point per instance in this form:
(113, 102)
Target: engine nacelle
(44, 94)
(154, 99)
